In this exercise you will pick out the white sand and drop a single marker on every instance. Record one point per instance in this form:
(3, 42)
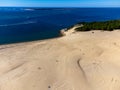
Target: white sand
(79, 61)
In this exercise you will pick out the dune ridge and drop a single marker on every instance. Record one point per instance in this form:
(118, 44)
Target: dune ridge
(77, 61)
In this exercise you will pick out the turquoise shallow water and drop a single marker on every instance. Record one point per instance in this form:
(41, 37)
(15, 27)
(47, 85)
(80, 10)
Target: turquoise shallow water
(21, 24)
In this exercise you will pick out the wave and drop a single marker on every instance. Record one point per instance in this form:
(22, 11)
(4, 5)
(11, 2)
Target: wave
(23, 23)
(29, 9)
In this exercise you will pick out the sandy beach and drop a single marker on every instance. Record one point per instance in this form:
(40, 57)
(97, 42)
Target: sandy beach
(78, 61)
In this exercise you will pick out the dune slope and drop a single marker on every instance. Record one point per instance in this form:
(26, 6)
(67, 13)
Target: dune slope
(79, 61)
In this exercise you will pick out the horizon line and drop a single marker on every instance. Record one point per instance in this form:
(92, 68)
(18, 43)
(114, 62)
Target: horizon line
(62, 7)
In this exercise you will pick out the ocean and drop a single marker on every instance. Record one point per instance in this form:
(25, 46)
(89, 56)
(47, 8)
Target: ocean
(18, 24)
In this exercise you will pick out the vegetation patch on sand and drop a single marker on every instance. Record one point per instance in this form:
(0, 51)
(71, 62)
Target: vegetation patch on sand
(105, 25)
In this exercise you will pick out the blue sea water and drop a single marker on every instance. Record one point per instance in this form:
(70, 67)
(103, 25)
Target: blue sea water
(24, 24)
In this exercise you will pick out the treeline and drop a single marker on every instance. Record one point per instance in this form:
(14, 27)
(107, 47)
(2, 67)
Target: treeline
(106, 25)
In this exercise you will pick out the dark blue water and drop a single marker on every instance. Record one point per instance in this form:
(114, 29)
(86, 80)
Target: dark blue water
(21, 24)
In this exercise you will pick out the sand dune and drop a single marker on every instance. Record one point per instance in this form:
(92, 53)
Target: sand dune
(78, 61)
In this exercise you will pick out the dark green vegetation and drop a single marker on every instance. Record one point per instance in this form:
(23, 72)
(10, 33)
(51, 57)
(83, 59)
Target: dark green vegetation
(106, 25)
